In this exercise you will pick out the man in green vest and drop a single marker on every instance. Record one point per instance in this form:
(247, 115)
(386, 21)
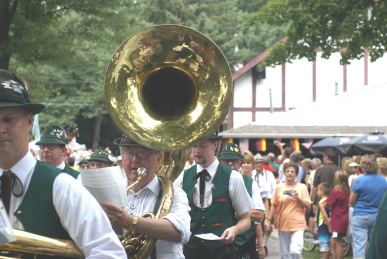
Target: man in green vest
(40, 198)
(215, 192)
(232, 156)
(100, 159)
(52, 147)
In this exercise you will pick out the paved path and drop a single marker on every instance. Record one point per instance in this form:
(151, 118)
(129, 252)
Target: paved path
(273, 246)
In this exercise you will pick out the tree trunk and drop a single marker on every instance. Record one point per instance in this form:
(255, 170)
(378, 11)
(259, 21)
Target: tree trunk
(97, 129)
(4, 61)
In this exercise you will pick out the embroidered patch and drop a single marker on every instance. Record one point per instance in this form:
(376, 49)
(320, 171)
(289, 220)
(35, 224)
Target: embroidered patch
(58, 133)
(15, 86)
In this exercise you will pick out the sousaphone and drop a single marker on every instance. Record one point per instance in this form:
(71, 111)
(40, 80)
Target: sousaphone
(167, 87)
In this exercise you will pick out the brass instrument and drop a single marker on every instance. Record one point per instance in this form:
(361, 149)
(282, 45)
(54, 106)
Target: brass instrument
(168, 88)
(36, 244)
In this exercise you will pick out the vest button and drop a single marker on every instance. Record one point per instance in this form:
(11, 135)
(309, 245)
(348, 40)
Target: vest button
(19, 212)
(213, 187)
(193, 188)
(202, 217)
(202, 241)
(202, 225)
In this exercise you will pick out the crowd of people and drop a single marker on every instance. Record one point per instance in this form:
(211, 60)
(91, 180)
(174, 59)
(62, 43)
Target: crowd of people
(236, 195)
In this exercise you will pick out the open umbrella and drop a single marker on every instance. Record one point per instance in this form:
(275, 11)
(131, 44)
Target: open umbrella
(367, 144)
(332, 142)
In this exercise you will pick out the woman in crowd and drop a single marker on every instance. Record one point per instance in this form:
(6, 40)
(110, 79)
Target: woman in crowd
(337, 202)
(246, 169)
(382, 166)
(366, 194)
(290, 202)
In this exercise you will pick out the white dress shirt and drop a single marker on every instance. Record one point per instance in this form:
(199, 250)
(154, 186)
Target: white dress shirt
(267, 183)
(144, 201)
(240, 199)
(61, 166)
(80, 214)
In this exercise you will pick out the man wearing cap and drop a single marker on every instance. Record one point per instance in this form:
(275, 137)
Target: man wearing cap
(215, 192)
(231, 156)
(52, 146)
(85, 163)
(100, 159)
(39, 198)
(266, 183)
(172, 230)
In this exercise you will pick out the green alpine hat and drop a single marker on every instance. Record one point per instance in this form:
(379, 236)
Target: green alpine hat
(101, 155)
(231, 151)
(53, 134)
(14, 93)
(125, 141)
(85, 160)
(215, 136)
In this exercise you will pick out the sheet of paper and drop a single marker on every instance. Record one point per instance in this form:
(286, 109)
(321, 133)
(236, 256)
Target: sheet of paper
(209, 236)
(6, 233)
(105, 184)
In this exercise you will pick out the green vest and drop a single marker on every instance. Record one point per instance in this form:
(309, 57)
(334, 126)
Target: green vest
(244, 237)
(37, 212)
(71, 172)
(217, 217)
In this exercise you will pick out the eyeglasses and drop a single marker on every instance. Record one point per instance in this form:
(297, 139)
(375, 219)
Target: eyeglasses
(50, 147)
(233, 161)
(141, 155)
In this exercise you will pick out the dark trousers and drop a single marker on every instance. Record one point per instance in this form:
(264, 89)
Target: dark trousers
(248, 250)
(223, 252)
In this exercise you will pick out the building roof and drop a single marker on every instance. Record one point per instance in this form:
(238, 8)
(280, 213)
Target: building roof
(254, 62)
(349, 114)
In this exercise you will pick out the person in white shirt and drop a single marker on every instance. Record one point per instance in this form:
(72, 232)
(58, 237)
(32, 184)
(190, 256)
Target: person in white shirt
(214, 191)
(40, 198)
(172, 230)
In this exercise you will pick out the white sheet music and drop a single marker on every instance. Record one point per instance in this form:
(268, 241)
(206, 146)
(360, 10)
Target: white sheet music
(209, 236)
(105, 184)
(6, 233)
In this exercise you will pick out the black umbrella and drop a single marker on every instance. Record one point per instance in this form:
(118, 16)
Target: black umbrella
(332, 142)
(367, 144)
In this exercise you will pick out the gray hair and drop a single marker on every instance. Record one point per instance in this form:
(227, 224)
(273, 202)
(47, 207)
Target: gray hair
(316, 161)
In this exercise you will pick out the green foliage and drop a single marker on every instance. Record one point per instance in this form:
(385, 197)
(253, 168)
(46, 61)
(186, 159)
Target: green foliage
(349, 26)
(62, 47)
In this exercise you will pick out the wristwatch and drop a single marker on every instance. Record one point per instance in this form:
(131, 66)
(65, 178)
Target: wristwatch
(261, 246)
(133, 225)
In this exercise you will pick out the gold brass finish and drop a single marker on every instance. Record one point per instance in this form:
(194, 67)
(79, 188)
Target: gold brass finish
(168, 87)
(35, 244)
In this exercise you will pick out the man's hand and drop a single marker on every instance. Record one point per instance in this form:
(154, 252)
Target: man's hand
(228, 235)
(261, 252)
(117, 216)
(268, 226)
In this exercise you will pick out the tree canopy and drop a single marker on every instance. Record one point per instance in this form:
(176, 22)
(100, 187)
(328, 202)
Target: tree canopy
(63, 47)
(345, 26)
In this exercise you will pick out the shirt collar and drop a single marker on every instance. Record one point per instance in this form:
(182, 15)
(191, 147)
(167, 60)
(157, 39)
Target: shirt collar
(23, 168)
(61, 166)
(211, 169)
(153, 185)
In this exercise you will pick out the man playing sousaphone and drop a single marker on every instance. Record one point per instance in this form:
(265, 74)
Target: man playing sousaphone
(172, 230)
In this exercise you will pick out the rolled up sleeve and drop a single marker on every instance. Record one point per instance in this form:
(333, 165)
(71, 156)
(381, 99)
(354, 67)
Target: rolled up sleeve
(179, 215)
